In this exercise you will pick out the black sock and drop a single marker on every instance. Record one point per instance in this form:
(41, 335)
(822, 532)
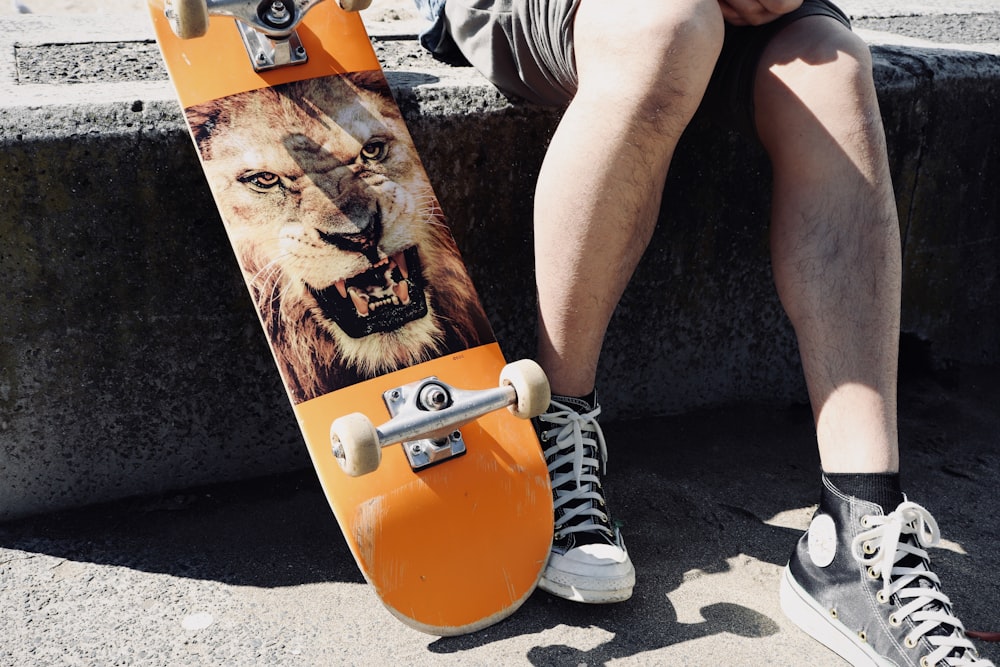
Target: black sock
(883, 489)
(585, 403)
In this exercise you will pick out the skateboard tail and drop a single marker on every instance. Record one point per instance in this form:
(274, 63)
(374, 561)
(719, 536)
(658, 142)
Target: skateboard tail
(475, 626)
(469, 512)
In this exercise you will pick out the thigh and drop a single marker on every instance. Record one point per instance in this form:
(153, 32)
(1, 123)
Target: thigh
(528, 48)
(525, 47)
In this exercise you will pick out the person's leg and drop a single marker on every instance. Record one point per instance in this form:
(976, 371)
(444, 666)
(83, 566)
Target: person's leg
(834, 236)
(860, 579)
(642, 68)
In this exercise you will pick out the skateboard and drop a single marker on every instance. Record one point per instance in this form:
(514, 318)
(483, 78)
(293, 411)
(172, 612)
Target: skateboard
(417, 427)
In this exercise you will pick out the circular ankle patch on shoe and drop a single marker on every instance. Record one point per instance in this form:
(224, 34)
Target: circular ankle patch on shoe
(822, 540)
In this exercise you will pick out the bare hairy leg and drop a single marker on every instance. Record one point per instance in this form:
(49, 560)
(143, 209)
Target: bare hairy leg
(835, 236)
(599, 190)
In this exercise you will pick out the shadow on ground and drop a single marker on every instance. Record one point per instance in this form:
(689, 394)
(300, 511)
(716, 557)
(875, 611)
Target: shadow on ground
(695, 493)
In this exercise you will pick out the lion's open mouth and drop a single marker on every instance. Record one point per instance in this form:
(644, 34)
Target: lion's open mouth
(381, 299)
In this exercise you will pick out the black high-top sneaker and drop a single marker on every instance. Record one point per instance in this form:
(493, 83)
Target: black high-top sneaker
(588, 562)
(860, 582)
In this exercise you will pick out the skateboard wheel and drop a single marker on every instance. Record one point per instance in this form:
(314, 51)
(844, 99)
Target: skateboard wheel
(354, 5)
(188, 18)
(531, 386)
(355, 444)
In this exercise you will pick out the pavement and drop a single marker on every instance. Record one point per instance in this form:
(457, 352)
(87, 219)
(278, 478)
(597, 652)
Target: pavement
(257, 573)
(712, 502)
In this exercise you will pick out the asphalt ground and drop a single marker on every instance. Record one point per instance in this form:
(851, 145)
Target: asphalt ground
(712, 503)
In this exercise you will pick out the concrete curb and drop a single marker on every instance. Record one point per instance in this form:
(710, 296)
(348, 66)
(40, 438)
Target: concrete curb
(130, 359)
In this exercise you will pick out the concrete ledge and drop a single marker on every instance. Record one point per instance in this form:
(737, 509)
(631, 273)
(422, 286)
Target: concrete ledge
(130, 358)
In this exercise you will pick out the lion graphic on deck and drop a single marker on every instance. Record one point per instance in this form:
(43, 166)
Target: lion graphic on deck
(337, 230)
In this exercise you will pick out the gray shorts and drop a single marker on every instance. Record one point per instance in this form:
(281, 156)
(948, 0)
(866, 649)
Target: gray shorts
(525, 47)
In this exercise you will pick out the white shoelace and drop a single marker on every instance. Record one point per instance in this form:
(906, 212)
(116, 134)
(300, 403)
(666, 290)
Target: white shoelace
(576, 435)
(881, 548)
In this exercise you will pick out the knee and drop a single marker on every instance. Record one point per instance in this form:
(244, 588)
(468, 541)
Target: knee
(675, 46)
(688, 33)
(816, 71)
(652, 45)
(814, 59)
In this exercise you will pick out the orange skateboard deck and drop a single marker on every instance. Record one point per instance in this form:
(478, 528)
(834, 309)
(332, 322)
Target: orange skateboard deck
(363, 296)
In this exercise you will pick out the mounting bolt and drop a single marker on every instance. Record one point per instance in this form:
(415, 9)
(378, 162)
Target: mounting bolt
(434, 397)
(275, 13)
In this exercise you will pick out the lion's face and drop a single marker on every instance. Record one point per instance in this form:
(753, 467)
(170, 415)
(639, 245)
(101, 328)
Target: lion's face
(333, 219)
(329, 197)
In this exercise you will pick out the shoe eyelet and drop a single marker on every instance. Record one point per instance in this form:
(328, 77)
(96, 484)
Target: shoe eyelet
(866, 521)
(882, 597)
(894, 621)
(863, 636)
(924, 662)
(869, 548)
(833, 613)
(872, 574)
(910, 642)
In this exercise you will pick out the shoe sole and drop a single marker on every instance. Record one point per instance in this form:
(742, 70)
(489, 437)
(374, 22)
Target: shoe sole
(575, 594)
(802, 610)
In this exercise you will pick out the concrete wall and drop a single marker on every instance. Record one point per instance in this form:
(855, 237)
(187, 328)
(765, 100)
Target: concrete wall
(130, 357)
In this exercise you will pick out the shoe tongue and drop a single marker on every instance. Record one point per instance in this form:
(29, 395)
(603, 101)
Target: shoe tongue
(580, 405)
(600, 534)
(599, 531)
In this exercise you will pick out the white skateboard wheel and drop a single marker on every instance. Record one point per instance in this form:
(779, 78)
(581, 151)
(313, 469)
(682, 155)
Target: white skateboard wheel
(531, 386)
(354, 5)
(355, 444)
(188, 18)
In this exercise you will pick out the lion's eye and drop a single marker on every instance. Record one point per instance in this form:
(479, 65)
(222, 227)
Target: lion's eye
(263, 180)
(375, 150)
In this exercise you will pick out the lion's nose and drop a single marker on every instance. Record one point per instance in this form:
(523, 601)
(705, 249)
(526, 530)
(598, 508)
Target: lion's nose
(357, 229)
(361, 214)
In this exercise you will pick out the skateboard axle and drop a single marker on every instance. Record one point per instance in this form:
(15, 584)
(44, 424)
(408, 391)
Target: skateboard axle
(426, 415)
(430, 409)
(267, 27)
(274, 18)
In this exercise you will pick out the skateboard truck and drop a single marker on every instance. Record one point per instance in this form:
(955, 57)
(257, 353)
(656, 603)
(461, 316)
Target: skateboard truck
(426, 415)
(407, 405)
(268, 50)
(266, 26)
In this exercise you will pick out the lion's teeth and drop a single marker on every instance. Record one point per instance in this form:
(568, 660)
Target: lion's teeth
(400, 260)
(341, 288)
(402, 292)
(360, 303)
